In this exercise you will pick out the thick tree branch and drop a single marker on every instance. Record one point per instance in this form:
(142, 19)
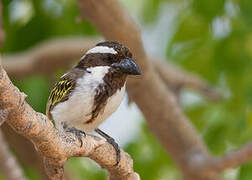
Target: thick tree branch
(9, 166)
(55, 147)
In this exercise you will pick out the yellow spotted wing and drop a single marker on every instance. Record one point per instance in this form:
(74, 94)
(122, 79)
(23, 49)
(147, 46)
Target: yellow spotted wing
(60, 93)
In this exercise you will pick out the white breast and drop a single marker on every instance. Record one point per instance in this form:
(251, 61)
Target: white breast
(78, 108)
(113, 103)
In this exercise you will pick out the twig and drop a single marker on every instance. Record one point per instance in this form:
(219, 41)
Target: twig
(52, 145)
(233, 159)
(177, 79)
(9, 166)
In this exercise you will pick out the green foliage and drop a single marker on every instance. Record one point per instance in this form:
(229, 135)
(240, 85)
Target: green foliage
(246, 10)
(32, 174)
(150, 10)
(37, 90)
(245, 172)
(81, 168)
(1, 177)
(44, 21)
(208, 9)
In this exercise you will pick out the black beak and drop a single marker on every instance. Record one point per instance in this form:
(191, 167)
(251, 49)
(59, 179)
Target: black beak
(127, 66)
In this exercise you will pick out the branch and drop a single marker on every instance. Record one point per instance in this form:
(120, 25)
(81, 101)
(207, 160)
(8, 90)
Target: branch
(9, 166)
(229, 160)
(60, 53)
(233, 159)
(3, 115)
(24, 150)
(56, 147)
(176, 79)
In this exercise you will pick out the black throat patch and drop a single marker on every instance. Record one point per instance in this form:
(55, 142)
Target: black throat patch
(113, 81)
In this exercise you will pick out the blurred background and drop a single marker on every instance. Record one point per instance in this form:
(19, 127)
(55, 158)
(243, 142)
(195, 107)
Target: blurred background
(210, 38)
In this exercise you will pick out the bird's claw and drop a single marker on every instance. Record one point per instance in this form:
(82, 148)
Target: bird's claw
(78, 134)
(117, 149)
(111, 141)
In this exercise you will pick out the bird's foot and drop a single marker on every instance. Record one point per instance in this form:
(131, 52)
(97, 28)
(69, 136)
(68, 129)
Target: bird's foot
(78, 133)
(111, 141)
(117, 149)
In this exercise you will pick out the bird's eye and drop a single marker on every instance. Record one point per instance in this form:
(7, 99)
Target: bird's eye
(110, 59)
(129, 54)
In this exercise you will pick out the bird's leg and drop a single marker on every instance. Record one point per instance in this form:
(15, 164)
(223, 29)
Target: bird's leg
(111, 141)
(77, 132)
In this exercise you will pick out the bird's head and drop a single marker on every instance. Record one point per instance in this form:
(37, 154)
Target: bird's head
(112, 54)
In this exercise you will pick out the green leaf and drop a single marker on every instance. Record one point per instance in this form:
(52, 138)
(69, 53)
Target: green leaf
(209, 9)
(245, 172)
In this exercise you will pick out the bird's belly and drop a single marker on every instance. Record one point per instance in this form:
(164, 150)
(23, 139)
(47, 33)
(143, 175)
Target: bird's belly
(111, 106)
(77, 110)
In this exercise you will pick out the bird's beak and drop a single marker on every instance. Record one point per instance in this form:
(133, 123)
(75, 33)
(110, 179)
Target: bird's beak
(127, 66)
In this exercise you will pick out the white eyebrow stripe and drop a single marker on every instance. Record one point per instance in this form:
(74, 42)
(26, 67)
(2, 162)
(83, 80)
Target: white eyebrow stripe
(101, 49)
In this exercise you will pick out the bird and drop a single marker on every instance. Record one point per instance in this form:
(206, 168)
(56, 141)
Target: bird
(92, 90)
